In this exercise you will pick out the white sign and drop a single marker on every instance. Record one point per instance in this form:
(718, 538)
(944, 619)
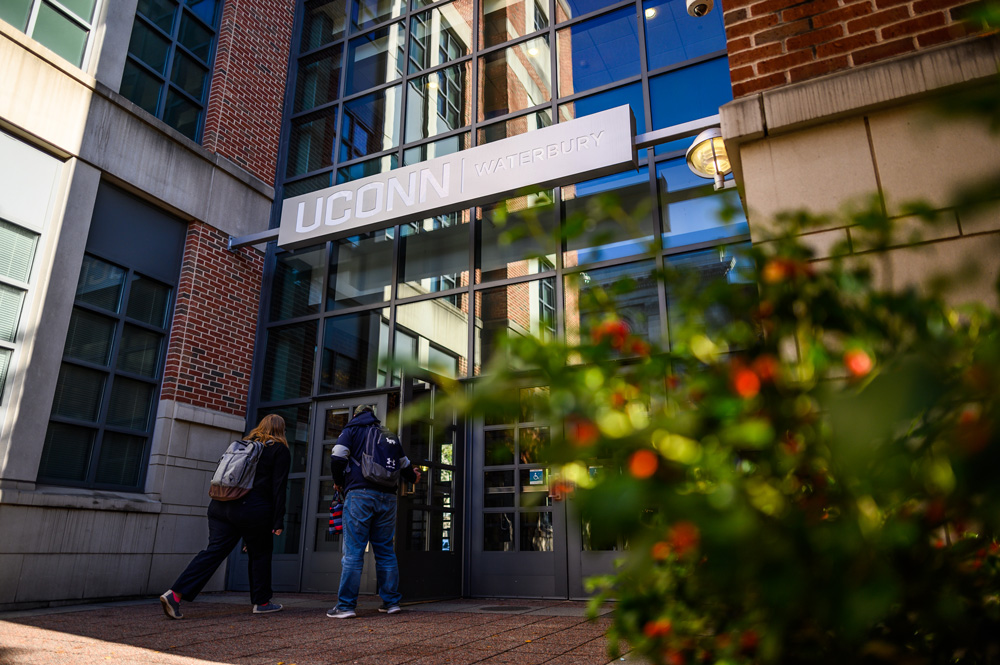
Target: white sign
(588, 147)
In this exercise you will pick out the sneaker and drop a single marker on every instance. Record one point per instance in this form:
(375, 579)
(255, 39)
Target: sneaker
(171, 606)
(266, 608)
(391, 609)
(334, 613)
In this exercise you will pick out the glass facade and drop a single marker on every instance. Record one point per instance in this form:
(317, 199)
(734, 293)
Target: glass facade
(381, 83)
(64, 27)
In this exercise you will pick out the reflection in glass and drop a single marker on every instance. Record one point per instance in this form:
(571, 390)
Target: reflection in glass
(296, 432)
(567, 9)
(531, 442)
(139, 352)
(688, 94)
(441, 331)
(371, 123)
(89, 337)
(515, 78)
(534, 488)
(692, 210)
(728, 267)
(515, 126)
(335, 420)
(160, 12)
(536, 532)
(189, 75)
(448, 146)
(598, 52)
(130, 403)
(439, 102)
(311, 144)
(531, 402)
(440, 35)
(297, 285)
(78, 393)
(517, 237)
(504, 20)
(181, 114)
(526, 308)
(118, 461)
(318, 79)
(141, 88)
(367, 168)
(499, 446)
(375, 58)
(498, 532)
(352, 348)
(147, 45)
(323, 22)
(673, 36)
(615, 214)
(56, 31)
(288, 362)
(372, 12)
(67, 452)
(307, 185)
(360, 270)
(100, 284)
(434, 256)
(638, 307)
(195, 37)
(148, 301)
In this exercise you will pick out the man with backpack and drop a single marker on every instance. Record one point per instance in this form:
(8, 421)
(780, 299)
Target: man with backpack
(367, 463)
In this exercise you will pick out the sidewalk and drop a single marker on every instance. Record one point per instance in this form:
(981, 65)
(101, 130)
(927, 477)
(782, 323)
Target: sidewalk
(219, 628)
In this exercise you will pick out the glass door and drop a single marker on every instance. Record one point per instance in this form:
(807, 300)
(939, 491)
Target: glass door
(428, 532)
(322, 550)
(518, 532)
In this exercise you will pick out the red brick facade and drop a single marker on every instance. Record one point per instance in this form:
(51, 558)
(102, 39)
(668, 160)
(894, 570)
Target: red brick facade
(215, 322)
(243, 118)
(775, 42)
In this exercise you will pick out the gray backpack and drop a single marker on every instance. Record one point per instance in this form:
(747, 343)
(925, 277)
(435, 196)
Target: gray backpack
(234, 476)
(381, 457)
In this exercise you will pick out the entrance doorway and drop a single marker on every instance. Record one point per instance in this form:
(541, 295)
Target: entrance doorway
(525, 540)
(321, 552)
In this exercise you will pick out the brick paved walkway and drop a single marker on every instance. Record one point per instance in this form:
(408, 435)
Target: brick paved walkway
(219, 628)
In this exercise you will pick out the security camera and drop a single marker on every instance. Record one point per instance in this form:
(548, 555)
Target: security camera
(698, 8)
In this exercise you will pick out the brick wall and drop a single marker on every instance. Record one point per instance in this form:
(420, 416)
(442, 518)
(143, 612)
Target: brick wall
(774, 42)
(215, 321)
(243, 118)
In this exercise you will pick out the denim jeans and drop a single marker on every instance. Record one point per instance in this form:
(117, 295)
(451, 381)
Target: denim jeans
(369, 517)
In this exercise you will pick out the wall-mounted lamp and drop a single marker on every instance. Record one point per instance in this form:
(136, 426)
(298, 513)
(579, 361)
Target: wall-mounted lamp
(707, 157)
(650, 12)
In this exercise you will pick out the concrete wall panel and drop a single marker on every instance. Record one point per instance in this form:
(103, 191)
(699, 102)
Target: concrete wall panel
(923, 156)
(818, 170)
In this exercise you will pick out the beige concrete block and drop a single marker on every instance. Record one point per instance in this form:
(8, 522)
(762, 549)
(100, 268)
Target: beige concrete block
(970, 264)
(181, 534)
(827, 244)
(107, 575)
(10, 574)
(819, 170)
(47, 577)
(139, 536)
(187, 487)
(980, 220)
(923, 156)
(908, 231)
(164, 569)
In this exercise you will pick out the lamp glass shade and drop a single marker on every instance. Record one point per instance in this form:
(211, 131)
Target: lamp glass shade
(707, 156)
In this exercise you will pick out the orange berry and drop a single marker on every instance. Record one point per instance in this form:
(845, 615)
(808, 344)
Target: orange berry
(582, 432)
(643, 464)
(684, 537)
(765, 367)
(857, 362)
(657, 628)
(775, 270)
(746, 384)
(660, 550)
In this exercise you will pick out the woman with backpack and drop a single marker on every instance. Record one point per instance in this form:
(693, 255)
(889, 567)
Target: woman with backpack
(256, 516)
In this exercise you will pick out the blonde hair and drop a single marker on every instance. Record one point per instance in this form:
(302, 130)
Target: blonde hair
(271, 428)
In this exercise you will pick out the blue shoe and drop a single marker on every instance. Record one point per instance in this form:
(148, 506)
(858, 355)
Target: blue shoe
(171, 606)
(266, 608)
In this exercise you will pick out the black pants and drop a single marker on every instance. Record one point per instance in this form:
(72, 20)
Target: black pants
(228, 521)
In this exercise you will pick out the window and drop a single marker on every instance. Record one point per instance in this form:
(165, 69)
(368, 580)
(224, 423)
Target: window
(167, 71)
(17, 253)
(105, 396)
(63, 27)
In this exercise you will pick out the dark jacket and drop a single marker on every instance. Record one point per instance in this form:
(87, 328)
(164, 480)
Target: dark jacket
(344, 460)
(269, 482)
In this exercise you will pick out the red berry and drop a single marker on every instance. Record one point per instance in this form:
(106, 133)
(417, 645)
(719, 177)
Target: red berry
(857, 362)
(643, 464)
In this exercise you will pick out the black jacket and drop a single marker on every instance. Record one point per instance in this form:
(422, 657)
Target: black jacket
(270, 480)
(347, 475)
